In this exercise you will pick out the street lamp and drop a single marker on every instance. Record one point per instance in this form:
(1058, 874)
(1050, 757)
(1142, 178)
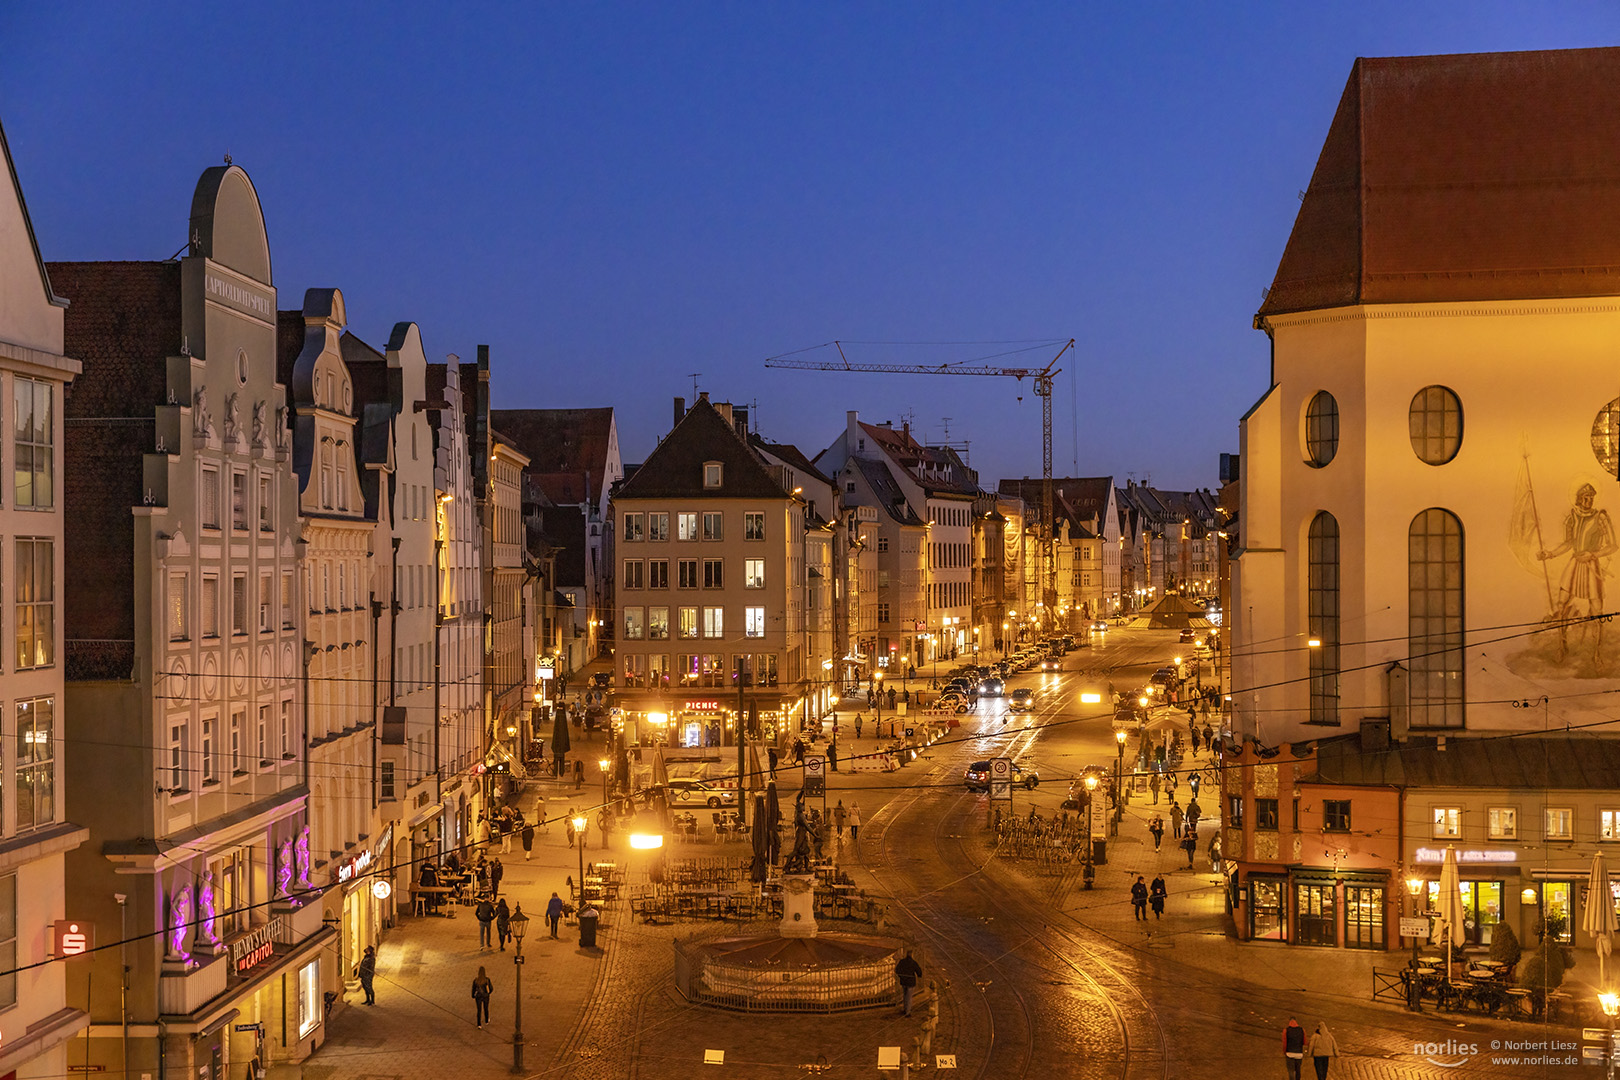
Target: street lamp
(1091, 791)
(1119, 776)
(1414, 995)
(877, 678)
(1611, 1008)
(603, 763)
(519, 924)
(579, 827)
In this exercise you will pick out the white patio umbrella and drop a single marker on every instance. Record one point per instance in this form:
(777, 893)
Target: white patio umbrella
(1451, 905)
(1599, 919)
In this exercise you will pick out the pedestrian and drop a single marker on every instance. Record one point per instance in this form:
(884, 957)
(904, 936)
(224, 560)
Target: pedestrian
(1293, 1047)
(368, 972)
(1194, 814)
(1153, 782)
(568, 823)
(840, 816)
(483, 832)
(1189, 844)
(481, 989)
(554, 913)
(1322, 1049)
(579, 773)
(770, 756)
(1176, 818)
(1156, 894)
(1193, 781)
(528, 840)
(540, 814)
(858, 721)
(907, 971)
(1209, 737)
(832, 756)
(496, 872)
(503, 922)
(1156, 827)
(1139, 898)
(855, 822)
(485, 914)
(506, 834)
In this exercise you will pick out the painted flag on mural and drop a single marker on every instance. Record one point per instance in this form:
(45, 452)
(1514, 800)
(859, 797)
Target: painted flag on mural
(1524, 530)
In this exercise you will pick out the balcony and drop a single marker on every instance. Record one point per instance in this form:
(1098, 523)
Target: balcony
(183, 992)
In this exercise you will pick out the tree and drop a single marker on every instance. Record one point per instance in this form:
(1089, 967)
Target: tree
(1505, 947)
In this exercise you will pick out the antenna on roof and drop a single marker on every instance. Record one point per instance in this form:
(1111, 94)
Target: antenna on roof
(227, 157)
(694, 377)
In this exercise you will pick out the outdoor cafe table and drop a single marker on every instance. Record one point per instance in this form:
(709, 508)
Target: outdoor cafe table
(434, 893)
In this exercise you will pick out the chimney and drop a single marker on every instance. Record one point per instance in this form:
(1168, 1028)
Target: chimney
(680, 409)
(739, 419)
(905, 429)
(704, 396)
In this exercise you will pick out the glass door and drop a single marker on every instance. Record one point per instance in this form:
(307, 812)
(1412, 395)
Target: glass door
(1363, 917)
(1266, 910)
(1315, 915)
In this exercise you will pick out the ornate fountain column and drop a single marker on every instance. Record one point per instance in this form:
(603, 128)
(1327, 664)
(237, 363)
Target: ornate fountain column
(798, 906)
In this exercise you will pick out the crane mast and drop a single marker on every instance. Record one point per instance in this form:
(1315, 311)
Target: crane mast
(1042, 380)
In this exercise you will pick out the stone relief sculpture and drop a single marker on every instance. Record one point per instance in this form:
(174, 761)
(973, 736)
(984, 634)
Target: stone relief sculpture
(202, 424)
(205, 904)
(260, 436)
(281, 427)
(180, 923)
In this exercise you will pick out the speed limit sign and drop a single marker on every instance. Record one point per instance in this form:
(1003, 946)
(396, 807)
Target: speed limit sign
(1000, 779)
(1000, 769)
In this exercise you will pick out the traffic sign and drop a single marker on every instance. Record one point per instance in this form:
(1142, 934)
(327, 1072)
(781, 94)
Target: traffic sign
(1001, 779)
(814, 766)
(815, 777)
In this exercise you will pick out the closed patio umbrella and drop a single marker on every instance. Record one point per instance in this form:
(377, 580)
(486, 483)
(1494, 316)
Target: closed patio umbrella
(759, 869)
(1598, 919)
(773, 824)
(1451, 905)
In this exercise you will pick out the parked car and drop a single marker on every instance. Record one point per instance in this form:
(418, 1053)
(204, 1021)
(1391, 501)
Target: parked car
(954, 702)
(1022, 700)
(977, 776)
(687, 792)
(993, 685)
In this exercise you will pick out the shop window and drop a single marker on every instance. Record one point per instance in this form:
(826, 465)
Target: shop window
(1556, 909)
(1265, 814)
(1447, 822)
(1363, 917)
(1336, 815)
(1560, 823)
(1502, 822)
(309, 998)
(634, 524)
(1482, 908)
(1315, 914)
(658, 573)
(754, 525)
(1267, 920)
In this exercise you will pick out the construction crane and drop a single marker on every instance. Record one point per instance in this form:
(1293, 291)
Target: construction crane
(1041, 379)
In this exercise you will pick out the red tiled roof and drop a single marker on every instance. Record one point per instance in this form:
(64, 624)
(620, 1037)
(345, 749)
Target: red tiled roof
(561, 441)
(1487, 176)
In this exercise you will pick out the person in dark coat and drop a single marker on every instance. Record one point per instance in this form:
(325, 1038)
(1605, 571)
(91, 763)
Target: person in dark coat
(907, 972)
(496, 872)
(1293, 1048)
(554, 912)
(1156, 827)
(770, 756)
(485, 914)
(1156, 894)
(482, 988)
(1139, 898)
(503, 922)
(368, 972)
(528, 840)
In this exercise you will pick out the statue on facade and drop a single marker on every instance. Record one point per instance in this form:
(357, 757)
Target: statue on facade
(281, 427)
(180, 923)
(233, 418)
(302, 849)
(202, 424)
(205, 906)
(259, 433)
(284, 869)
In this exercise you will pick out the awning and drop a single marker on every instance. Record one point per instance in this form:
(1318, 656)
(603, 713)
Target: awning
(427, 814)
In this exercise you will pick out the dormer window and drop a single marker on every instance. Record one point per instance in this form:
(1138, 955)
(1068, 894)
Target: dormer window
(711, 474)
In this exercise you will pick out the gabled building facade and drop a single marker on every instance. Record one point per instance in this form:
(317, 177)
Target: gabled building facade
(35, 831)
(186, 623)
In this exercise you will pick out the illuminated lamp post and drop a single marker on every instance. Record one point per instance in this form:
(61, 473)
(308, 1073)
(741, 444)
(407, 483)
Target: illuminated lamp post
(519, 924)
(579, 827)
(1611, 1008)
(1091, 792)
(604, 764)
(1119, 776)
(1414, 995)
(877, 679)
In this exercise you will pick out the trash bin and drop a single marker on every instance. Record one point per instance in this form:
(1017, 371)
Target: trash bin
(588, 919)
(1099, 854)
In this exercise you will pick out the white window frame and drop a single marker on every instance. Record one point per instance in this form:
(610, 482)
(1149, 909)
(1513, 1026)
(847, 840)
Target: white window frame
(1502, 822)
(714, 622)
(754, 622)
(1568, 832)
(753, 573)
(1447, 822)
(686, 525)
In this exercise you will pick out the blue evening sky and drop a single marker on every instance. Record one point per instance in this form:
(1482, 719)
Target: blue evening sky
(615, 196)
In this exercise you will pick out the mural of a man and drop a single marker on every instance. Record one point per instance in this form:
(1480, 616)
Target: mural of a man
(1589, 539)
